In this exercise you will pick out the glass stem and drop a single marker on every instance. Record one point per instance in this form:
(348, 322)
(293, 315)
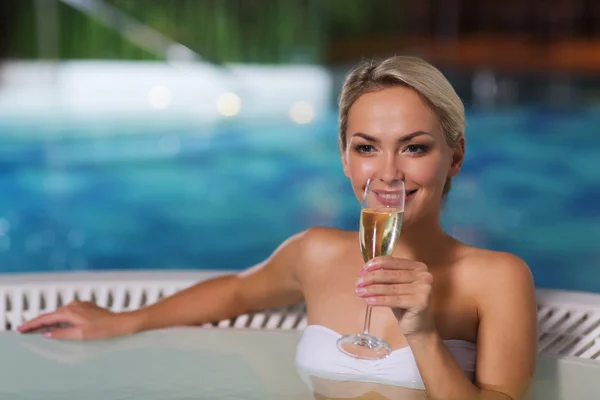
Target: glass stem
(367, 321)
(374, 254)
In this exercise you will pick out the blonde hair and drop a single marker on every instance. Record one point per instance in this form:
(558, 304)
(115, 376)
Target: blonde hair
(412, 72)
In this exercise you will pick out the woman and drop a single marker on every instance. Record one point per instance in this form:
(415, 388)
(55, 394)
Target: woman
(461, 306)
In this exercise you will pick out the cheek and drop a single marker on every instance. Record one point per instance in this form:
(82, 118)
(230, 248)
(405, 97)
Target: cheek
(360, 168)
(426, 173)
(359, 171)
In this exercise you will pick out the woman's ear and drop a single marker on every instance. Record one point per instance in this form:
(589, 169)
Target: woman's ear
(458, 157)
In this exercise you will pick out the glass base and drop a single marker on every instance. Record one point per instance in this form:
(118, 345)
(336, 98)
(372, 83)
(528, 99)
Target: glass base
(364, 346)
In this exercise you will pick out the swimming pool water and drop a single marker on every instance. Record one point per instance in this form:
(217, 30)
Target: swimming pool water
(155, 194)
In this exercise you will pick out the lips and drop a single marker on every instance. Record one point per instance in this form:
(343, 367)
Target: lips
(394, 195)
(392, 198)
(389, 195)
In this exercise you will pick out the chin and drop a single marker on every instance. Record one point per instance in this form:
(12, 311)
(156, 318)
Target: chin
(417, 211)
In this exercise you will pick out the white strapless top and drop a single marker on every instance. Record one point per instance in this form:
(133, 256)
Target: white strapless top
(317, 356)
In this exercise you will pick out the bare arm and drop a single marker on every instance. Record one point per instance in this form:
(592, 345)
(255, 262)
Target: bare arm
(507, 340)
(271, 283)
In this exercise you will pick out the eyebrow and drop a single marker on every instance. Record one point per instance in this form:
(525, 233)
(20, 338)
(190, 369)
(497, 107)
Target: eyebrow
(403, 139)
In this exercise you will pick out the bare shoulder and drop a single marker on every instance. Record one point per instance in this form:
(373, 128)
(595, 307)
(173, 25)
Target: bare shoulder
(309, 247)
(493, 271)
(501, 284)
(279, 280)
(321, 242)
(321, 248)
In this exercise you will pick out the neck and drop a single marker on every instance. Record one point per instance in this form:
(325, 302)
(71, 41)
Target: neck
(424, 240)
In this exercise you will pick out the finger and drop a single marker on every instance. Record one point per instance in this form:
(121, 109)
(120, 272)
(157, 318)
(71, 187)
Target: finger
(388, 262)
(65, 334)
(402, 301)
(385, 290)
(387, 276)
(415, 301)
(55, 318)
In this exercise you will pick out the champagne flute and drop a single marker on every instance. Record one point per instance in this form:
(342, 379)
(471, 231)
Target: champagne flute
(382, 212)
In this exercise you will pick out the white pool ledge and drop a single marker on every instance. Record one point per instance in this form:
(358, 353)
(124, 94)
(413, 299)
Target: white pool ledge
(569, 322)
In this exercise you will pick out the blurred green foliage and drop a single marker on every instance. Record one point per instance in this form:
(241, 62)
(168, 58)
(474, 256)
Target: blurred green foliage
(254, 31)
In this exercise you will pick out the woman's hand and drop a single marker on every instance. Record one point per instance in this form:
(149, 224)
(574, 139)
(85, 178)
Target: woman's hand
(81, 320)
(404, 286)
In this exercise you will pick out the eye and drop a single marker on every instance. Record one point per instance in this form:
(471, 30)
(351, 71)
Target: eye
(364, 148)
(417, 148)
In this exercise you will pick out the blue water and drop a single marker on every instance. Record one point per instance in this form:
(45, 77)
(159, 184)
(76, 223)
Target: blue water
(82, 195)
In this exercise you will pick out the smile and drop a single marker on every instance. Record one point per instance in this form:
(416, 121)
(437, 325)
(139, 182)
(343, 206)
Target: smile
(393, 198)
(395, 195)
(389, 196)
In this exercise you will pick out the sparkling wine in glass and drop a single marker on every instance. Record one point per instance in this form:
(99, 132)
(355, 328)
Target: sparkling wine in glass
(382, 211)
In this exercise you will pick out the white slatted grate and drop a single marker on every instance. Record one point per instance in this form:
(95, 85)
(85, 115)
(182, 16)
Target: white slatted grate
(569, 323)
(21, 301)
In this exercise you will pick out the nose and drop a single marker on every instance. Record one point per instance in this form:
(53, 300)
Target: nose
(390, 172)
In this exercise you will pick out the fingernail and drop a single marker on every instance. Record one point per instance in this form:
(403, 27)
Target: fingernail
(361, 291)
(370, 300)
(359, 282)
(48, 334)
(370, 266)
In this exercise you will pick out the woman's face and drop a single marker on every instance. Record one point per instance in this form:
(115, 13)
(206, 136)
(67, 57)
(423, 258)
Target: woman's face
(392, 135)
